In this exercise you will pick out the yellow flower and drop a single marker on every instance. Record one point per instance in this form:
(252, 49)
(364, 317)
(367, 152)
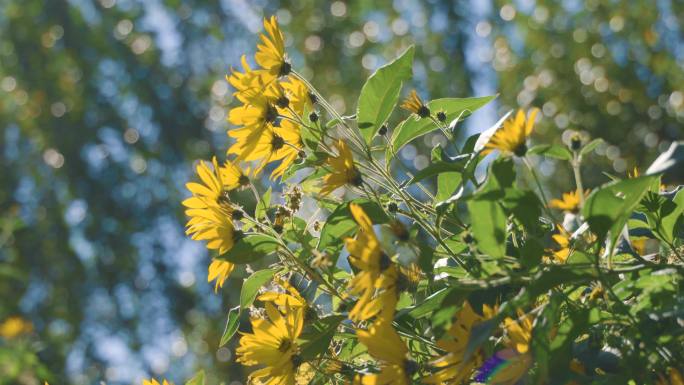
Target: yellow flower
(273, 344)
(209, 208)
(219, 270)
(152, 381)
(562, 240)
(376, 271)
(514, 362)
(383, 299)
(298, 94)
(414, 104)
(511, 137)
(213, 225)
(275, 143)
(514, 367)
(290, 297)
(452, 368)
(343, 170)
(634, 173)
(258, 112)
(271, 52)
(216, 182)
(246, 83)
(519, 331)
(14, 327)
(385, 345)
(569, 203)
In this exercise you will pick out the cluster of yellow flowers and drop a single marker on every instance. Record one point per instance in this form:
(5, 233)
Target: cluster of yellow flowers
(274, 105)
(277, 106)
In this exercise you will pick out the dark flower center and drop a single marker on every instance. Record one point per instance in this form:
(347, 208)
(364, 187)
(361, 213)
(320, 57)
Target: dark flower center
(285, 69)
(237, 215)
(423, 112)
(385, 262)
(313, 97)
(223, 200)
(271, 114)
(285, 345)
(277, 143)
(355, 179)
(282, 102)
(243, 180)
(521, 150)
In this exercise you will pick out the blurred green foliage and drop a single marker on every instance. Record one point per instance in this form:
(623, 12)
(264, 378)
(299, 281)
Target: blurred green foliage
(104, 105)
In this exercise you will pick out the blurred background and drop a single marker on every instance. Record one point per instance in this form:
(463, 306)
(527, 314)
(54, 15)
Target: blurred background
(105, 105)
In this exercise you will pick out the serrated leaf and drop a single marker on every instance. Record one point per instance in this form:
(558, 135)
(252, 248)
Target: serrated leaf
(380, 93)
(250, 248)
(414, 127)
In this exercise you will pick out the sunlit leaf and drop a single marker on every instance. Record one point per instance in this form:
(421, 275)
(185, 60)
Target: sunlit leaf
(608, 208)
(315, 338)
(414, 127)
(487, 213)
(251, 286)
(197, 379)
(552, 151)
(591, 146)
(250, 248)
(341, 224)
(232, 325)
(380, 93)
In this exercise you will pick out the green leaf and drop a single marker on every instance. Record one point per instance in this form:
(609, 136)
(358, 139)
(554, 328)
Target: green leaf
(607, 209)
(315, 338)
(380, 93)
(430, 304)
(456, 164)
(488, 216)
(231, 325)
(263, 203)
(524, 205)
(551, 151)
(663, 220)
(250, 248)
(488, 226)
(447, 182)
(251, 286)
(591, 146)
(197, 379)
(414, 127)
(478, 335)
(341, 224)
(250, 289)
